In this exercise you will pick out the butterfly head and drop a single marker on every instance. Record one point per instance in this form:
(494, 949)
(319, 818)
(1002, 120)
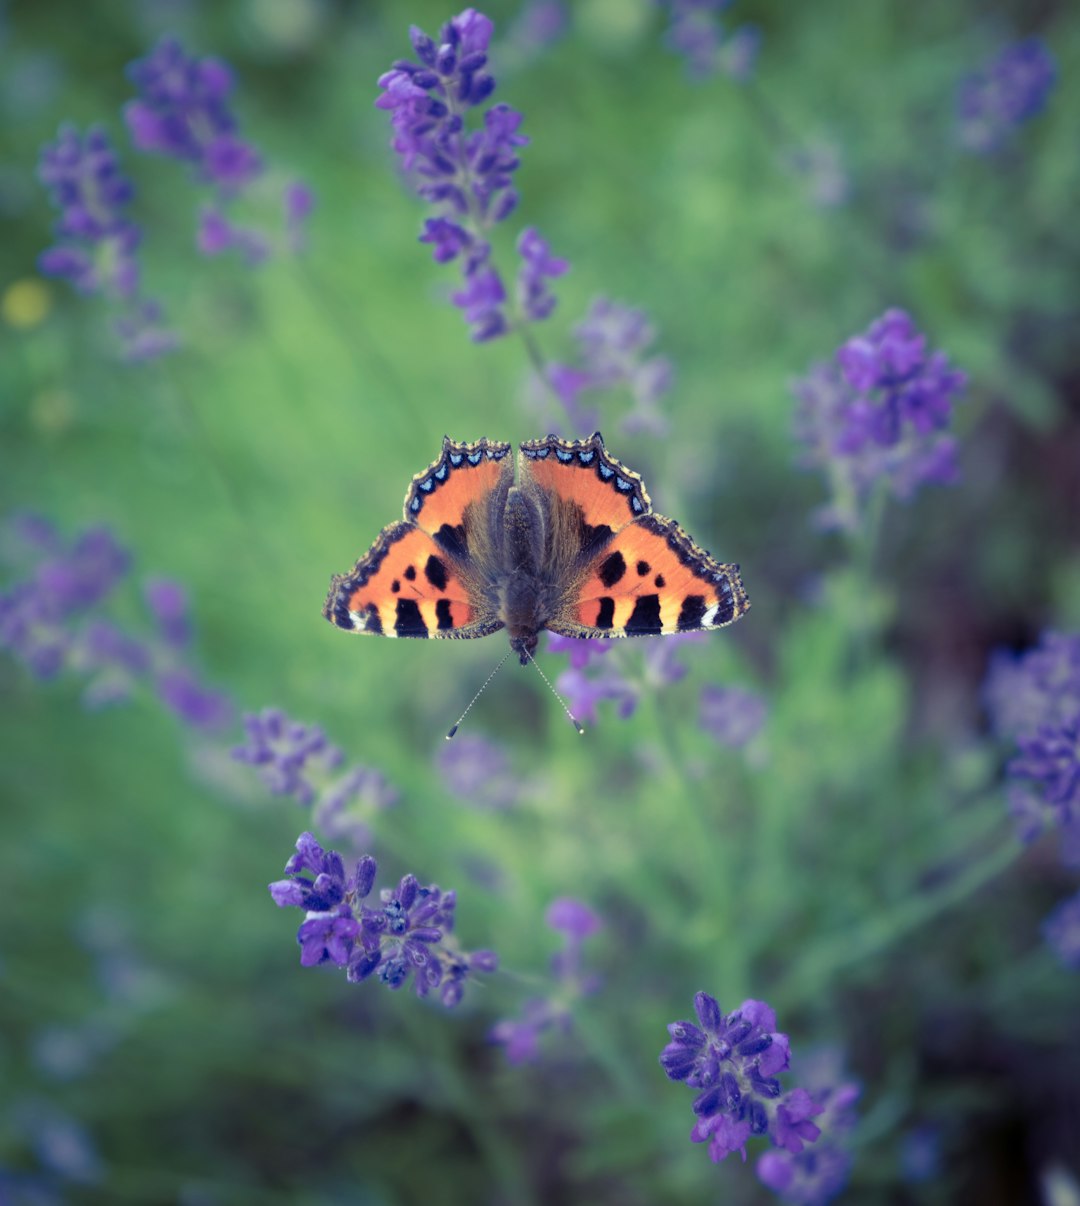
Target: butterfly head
(524, 643)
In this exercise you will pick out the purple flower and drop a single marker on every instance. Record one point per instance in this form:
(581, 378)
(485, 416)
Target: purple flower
(612, 340)
(97, 242)
(731, 715)
(1062, 931)
(878, 414)
(467, 174)
(408, 935)
(734, 1061)
(287, 753)
(582, 652)
(168, 604)
(520, 1037)
(195, 704)
(1034, 699)
(183, 112)
(479, 772)
(583, 692)
(811, 1175)
(696, 33)
(37, 615)
(538, 266)
(993, 103)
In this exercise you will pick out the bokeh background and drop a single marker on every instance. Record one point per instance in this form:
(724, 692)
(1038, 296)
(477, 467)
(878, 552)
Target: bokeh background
(853, 863)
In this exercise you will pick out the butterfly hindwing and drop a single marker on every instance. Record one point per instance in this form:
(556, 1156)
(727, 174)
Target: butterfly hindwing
(652, 579)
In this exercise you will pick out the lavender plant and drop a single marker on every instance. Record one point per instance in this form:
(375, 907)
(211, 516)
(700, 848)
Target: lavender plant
(992, 104)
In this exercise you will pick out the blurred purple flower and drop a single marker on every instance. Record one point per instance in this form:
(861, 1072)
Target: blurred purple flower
(734, 1061)
(183, 111)
(878, 413)
(97, 244)
(993, 103)
(195, 704)
(730, 714)
(696, 32)
(287, 754)
(581, 652)
(479, 772)
(583, 692)
(467, 174)
(520, 1037)
(817, 1173)
(169, 606)
(612, 340)
(409, 935)
(1062, 931)
(1034, 699)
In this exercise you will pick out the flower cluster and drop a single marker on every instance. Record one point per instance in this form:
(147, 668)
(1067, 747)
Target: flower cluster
(624, 678)
(297, 760)
(734, 1061)
(97, 241)
(478, 771)
(993, 103)
(1034, 699)
(466, 174)
(1062, 932)
(612, 342)
(878, 413)
(410, 933)
(520, 1037)
(732, 715)
(183, 112)
(696, 32)
(49, 620)
(819, 1172)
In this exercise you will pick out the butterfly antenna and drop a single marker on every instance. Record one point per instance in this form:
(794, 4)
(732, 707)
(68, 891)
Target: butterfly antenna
(573, 719)
(455, 727)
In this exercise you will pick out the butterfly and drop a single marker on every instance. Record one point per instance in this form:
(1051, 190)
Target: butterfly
(561, 537)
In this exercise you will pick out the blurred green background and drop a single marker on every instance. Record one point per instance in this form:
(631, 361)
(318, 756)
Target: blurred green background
(852, 873)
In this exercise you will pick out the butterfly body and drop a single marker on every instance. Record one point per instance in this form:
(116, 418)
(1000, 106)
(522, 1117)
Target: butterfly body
(563, 539)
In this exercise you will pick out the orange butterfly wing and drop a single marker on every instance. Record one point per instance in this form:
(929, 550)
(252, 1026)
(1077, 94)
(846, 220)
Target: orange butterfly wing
(643, 575)
(417, 579)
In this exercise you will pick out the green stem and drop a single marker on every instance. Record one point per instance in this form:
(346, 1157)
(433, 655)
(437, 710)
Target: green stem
(826, 959)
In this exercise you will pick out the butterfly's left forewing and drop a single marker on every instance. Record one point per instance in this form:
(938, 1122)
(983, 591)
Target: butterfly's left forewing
(424, 576)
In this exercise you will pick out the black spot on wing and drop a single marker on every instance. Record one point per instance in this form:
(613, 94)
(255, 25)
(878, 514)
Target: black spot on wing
(373, 623)
(443, 616)
(612, 569)
(410, 573)
(451, 539)
(339, 613)
(435, 572)
(395, 586)
(645, 618)
(691, 612)
(594, 536)
(409, 621)
(605, 617)
(643, 568)
(660, 581)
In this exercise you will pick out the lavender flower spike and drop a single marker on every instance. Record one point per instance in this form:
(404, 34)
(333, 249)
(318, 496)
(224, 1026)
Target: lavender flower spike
(467, 174)
(993, 103)
(97, 241)
(734, 1061)
(879, 413)
(410, 935)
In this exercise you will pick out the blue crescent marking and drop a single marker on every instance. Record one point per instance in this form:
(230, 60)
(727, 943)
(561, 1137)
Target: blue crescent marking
(606, 471)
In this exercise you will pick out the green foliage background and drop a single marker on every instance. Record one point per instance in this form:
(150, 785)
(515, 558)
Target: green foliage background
(857, 872)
